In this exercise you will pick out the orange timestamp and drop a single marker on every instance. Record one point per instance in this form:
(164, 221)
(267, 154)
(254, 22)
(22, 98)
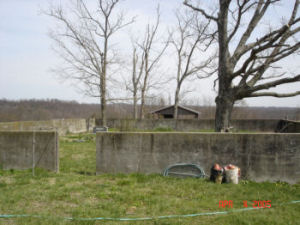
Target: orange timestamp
(246, 204)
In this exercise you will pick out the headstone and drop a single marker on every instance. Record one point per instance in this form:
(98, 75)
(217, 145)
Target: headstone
(100, 129)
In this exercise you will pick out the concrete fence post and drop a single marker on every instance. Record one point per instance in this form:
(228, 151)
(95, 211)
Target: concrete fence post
(33, 153)
(56, 143)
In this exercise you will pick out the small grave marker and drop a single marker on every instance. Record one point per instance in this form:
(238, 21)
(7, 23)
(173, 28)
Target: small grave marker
(100, 129)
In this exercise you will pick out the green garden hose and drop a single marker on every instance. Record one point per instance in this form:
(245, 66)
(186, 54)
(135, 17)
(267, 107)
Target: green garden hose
(9, 216)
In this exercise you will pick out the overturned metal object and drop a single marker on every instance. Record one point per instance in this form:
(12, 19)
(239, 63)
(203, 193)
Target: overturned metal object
(184, 170)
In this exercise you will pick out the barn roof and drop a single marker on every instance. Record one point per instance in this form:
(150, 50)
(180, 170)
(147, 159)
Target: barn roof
(161, 110)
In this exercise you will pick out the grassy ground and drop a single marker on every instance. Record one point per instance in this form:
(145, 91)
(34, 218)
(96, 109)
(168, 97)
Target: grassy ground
(77, 192)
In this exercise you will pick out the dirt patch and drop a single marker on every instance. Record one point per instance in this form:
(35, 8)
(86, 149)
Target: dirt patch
(73, 184)
(7, 180)
(78, 156)
(91, 200)
(75, 195)
(52, 181)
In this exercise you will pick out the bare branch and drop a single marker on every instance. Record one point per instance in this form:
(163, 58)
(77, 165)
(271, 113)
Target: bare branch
(274, 94)
(261, 8)
(275, 83)
(241, 11)
(202, 11)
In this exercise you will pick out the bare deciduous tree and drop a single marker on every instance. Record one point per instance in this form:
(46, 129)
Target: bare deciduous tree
(146, 54)
(244, 61)
(136, 74)
(83, 42)
(190, 38)
(150, 58)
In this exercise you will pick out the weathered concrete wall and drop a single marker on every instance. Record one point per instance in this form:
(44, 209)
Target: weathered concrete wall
(190, 124)
(62, 126)
(17, 150)
(261, 157)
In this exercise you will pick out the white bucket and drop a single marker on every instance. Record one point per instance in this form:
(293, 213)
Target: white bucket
(232, 175)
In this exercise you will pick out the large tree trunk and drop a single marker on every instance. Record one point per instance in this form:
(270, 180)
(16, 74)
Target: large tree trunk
(224, 101)
(224, 106)
(225, 98)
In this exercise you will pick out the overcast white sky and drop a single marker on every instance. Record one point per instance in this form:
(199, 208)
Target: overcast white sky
(26, 56)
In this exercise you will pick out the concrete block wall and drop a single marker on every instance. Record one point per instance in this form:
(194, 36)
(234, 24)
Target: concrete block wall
(190, 124)
(261, 157)
(18, 151)
(62, 126)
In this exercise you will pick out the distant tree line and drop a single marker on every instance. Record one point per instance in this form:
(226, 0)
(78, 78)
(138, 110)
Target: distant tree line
(26, 110)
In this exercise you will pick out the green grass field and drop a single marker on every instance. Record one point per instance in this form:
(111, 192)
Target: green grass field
(77, 192)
